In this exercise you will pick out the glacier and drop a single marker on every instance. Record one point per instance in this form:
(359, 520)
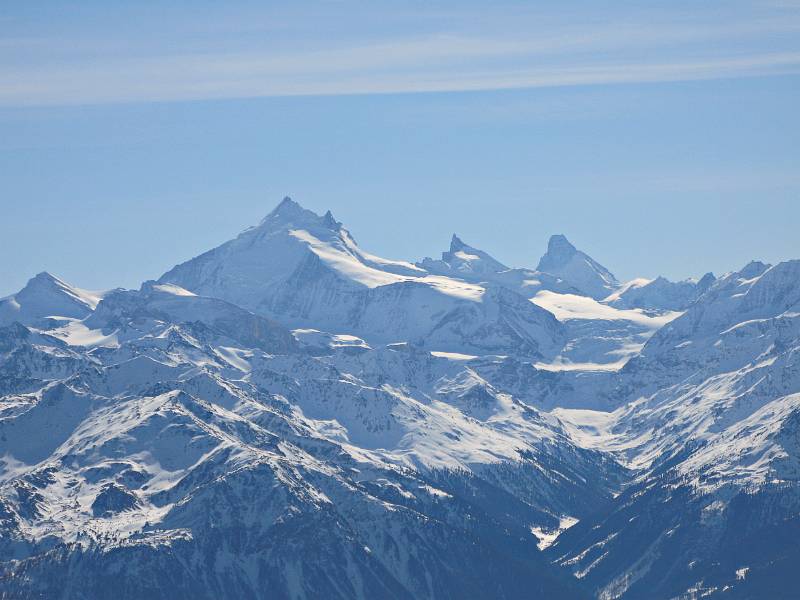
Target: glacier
(290, 416)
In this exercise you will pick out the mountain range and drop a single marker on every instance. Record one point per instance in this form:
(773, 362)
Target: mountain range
(290, 416)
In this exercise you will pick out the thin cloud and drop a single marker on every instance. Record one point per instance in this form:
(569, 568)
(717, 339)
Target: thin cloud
(214, 78)
(574, 56)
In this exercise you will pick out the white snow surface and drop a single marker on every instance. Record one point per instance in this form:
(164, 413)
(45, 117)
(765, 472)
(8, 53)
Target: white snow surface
(337, 378)
(75, 333)
(571, 306)
(547, 537)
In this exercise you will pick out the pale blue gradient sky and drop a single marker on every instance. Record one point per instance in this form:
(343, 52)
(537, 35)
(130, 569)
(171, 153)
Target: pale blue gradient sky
(660, 140)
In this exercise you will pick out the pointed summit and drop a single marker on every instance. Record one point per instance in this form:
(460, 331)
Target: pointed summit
(287, 204)
(753, 269)
(291, 213)
(330, 222)
(44, 278)
(286, 209)
(47, 296)
(46, 285)
(706, 281)
(576, 268)
(456, 244)
(463, 260)
(291, 241)
(559, 252)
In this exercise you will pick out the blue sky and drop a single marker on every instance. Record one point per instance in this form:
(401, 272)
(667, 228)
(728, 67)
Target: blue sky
(661, 138)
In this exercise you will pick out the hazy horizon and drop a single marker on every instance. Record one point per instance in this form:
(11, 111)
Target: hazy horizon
(661, 141)
(444, 244)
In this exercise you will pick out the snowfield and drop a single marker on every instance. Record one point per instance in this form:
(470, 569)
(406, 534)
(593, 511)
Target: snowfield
(290, 416)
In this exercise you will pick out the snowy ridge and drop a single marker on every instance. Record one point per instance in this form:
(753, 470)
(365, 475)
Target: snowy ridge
(46, 296)
(318, 278)
(290, 413)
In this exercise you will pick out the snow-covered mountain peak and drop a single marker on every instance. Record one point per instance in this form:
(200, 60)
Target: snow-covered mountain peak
(559, 252)
(706, 281)
(776, 289)
(45, 283)
(287, 412)
(290, 214)
(463, 260)
(462, 256)
(456, 243)
(288, 239)
(47, 296)
(661, 293)
(753, 269)
(307, 272)
(329, 221)
(565, 261)
(44, 278)
(287, 209)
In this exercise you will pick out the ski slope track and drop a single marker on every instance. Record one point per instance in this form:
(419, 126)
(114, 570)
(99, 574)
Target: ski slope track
(290, 416)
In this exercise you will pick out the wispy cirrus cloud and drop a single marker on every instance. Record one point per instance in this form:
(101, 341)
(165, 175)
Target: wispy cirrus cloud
(537, 55)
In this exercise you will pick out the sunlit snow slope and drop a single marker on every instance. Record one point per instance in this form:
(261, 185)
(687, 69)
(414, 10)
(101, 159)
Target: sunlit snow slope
(290, 416)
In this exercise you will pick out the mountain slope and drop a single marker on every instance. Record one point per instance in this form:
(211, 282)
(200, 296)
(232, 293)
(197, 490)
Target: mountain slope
(289, 416)
(578, 269)
(711, 426)
(464, 260)
(662, 294)
(306, 271)
(321, 478)
(47, 296)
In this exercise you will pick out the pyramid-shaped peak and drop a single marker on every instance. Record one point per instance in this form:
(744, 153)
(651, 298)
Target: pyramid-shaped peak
(46, 296)
(559, 252)
(290, 212)
(329, 221)
(286, 208)
(45, 282)
(578, 269)
(706, 280)
(456, 243)
(560, 245)
(287, 202)
(465, 258)
(44, 278)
